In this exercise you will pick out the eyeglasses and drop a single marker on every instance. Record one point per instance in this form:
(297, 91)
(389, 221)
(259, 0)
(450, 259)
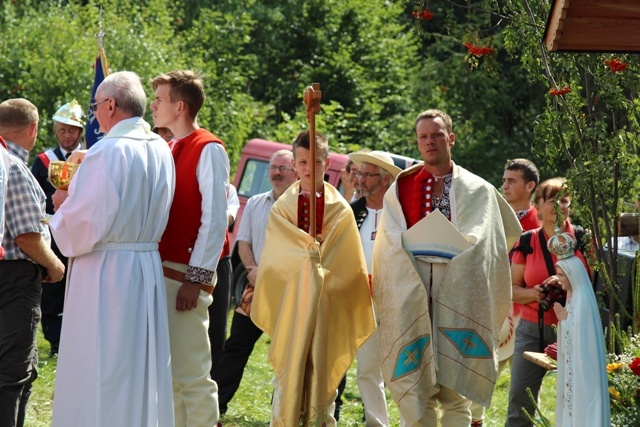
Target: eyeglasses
(365, 175)
(282, 169)
(94, 105)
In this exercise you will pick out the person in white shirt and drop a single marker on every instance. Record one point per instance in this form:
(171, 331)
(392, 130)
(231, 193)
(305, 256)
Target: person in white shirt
(376, 172)
(253, 226)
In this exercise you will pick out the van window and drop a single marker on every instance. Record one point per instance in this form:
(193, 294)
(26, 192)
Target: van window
(255, 178)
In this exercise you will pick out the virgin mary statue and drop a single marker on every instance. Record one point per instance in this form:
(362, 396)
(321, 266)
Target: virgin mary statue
(582, 398)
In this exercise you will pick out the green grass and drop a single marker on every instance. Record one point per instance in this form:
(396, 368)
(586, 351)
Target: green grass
(251, 404)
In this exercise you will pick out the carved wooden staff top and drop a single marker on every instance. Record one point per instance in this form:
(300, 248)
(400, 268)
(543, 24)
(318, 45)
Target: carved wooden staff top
(311, 97)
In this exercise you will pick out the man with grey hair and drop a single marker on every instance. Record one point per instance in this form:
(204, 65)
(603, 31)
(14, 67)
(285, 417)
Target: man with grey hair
(114, 360)
(253, 227)
(28, 261)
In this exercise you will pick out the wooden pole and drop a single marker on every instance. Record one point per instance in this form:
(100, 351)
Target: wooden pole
(311, 97)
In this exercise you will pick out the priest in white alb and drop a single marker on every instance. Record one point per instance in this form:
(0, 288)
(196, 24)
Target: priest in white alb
(114, 361)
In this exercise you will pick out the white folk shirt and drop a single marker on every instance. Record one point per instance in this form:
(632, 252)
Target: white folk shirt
(368, 231)
(213, 180)
(114, 366)
(253, 226)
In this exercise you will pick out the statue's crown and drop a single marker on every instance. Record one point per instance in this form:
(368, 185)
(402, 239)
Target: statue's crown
(562, 245)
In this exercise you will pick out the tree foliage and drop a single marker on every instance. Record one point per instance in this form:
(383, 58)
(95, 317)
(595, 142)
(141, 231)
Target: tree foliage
(588, 128)
(376, 72)
(591, 120)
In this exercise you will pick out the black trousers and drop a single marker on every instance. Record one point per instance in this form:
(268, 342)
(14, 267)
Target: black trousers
(219, 311)
(20, 289)
(52, 305)
(228, 374)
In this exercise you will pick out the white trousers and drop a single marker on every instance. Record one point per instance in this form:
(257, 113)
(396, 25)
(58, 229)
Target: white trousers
(453, 411)
(195, 394)
(371, 384)
(477, 410)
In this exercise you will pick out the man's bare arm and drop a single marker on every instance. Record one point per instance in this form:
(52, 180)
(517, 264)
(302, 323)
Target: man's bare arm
(248, 260)
(36, 247)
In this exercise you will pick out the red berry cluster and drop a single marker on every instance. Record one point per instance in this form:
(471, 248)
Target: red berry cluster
(425, 14)
(615, 65)
(560, 92)
(479, 50)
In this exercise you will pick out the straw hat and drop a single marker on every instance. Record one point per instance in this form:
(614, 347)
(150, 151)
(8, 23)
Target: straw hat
(377, 158)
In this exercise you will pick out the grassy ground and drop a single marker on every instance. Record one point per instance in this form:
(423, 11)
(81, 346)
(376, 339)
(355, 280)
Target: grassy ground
(251, 405)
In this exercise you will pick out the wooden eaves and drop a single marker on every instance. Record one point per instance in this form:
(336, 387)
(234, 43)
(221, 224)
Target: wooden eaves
(593, 26)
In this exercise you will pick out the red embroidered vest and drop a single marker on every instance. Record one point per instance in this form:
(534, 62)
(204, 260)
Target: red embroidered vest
(413, 190)
(304, 214)
(186, 210)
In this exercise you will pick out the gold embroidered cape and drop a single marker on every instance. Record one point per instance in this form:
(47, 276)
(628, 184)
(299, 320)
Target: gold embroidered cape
(313, 301)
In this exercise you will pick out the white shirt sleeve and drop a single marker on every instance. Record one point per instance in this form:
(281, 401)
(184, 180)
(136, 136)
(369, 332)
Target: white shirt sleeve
(244, 231)
(213, 180)
(233, 203)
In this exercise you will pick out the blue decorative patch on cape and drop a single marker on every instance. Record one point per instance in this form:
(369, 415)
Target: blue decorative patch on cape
(468, 342)
(410, 357)
(434, 253)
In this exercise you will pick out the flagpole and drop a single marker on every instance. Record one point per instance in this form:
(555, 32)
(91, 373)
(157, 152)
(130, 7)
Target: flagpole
(101, 70)
(101, 53)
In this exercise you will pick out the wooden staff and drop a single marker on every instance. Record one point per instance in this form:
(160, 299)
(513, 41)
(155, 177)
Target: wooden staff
(311, 97)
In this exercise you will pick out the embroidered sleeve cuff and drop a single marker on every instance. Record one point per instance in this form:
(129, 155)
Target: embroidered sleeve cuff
(199, 275)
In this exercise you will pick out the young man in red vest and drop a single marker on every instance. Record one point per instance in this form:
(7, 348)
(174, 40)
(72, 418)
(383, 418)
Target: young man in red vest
(192, 243)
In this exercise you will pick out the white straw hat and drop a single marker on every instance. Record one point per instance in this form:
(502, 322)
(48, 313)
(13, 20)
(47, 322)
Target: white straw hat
(377, 158)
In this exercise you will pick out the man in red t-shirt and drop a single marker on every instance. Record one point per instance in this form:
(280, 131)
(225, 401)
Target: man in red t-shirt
(519, 181)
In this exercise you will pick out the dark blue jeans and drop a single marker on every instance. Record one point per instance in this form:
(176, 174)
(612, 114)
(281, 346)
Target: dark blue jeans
(20, 289)
(526, 374)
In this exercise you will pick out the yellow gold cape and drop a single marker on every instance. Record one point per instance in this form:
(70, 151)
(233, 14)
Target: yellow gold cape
(313, 301)
(456, 345)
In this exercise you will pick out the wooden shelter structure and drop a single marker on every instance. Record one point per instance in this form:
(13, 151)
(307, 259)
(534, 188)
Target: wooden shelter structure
(593, 26)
